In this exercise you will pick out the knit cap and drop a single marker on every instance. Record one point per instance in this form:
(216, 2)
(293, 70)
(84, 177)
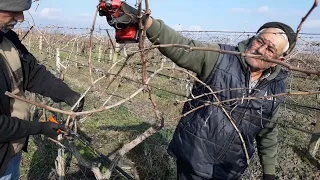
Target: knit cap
(15, 5)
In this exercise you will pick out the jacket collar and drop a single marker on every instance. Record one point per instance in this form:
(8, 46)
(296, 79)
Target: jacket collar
(4, 86)
(1, 36)
(274, 71)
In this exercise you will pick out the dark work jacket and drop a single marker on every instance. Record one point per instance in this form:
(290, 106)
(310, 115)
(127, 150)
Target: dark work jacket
(205, 140)
(35, 79)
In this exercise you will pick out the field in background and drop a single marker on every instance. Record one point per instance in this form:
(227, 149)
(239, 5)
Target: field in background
(109, 130)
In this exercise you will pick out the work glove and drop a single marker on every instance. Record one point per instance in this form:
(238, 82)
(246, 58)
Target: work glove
(269, 177)
(79, 106)
(128, 16)
(71, 100)
(51, 129)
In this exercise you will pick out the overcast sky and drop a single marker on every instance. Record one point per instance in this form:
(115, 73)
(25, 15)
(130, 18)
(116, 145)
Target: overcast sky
(244, 15)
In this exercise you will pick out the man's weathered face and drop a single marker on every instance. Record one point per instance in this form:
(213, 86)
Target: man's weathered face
(9, 19)
(271, 44)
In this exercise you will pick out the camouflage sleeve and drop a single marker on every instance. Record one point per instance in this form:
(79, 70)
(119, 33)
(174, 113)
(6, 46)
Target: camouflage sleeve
(200, 62)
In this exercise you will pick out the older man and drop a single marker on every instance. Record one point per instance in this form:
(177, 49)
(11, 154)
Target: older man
(20, 72)
(205, 143)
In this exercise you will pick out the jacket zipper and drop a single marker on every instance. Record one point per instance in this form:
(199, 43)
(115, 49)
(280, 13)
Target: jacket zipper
(234, 134)
(224, 149)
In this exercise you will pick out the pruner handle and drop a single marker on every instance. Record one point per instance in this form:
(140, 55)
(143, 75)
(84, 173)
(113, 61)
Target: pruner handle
(51, 119)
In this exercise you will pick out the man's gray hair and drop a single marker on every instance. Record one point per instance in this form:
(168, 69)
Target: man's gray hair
(281, 32)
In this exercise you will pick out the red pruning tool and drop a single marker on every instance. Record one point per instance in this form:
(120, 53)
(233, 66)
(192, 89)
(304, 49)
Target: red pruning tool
(111, 9)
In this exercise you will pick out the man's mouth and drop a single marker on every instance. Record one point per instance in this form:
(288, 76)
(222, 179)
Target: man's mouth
(11, 24)
(8, 26)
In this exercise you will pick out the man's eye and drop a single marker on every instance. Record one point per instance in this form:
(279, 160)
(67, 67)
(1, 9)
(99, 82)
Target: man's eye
(271, 50)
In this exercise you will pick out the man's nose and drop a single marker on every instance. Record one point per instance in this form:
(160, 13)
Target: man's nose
(19, 17)
(262, 49)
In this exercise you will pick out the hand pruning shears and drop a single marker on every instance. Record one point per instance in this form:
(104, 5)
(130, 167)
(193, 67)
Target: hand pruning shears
(68, 131)
(51, 119)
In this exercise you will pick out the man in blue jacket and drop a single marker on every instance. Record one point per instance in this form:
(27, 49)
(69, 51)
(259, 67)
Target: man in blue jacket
(205, 143)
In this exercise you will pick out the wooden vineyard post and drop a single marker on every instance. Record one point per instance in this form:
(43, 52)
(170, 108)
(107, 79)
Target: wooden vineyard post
(116, 53)
(60, 161)
(40, 44)
(99, 52)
